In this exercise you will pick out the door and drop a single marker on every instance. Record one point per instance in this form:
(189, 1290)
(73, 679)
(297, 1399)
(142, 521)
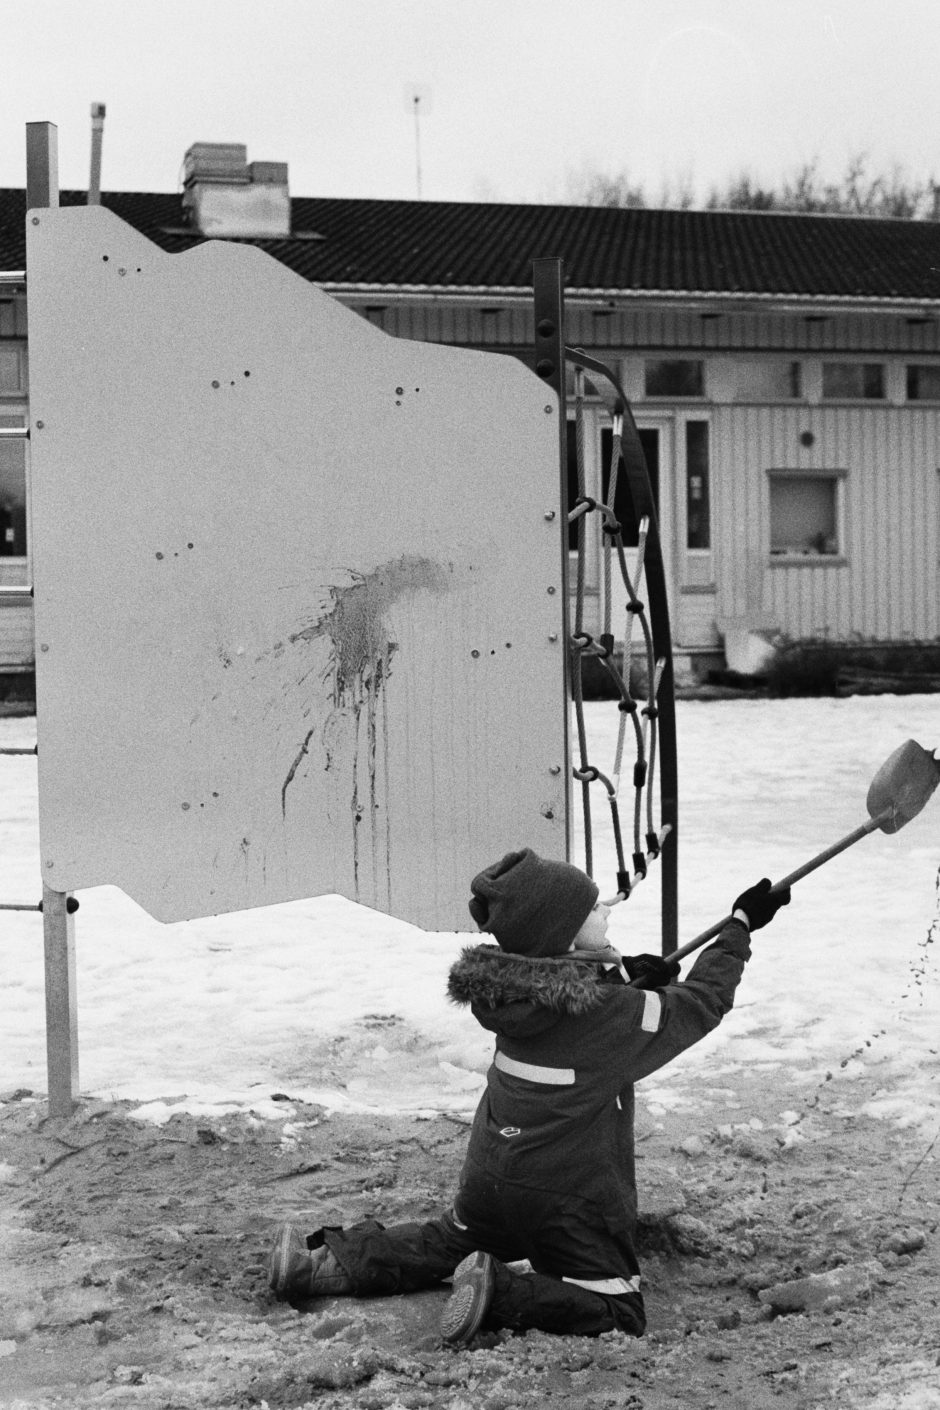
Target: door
(656, 438)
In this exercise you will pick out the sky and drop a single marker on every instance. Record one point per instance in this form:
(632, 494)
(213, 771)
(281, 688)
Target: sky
(330, 1003)
(518, 98)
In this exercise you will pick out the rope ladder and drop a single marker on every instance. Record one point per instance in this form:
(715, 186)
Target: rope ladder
(647, 635)
(643, 714)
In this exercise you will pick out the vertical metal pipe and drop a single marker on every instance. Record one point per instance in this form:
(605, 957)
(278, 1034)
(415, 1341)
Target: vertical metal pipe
(97, 133)
(42, 190)
(641, 493)
(548, 280)
(58, 927)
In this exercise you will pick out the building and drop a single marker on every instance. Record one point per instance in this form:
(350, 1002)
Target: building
(784, 374)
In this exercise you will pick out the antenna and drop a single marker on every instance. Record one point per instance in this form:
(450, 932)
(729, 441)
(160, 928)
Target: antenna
(97, 132)
(418, 101)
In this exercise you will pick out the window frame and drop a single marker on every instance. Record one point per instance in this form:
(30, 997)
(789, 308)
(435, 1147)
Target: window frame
(910, 367)
(792, 363)
(20, 564)
(884, 367)
(10, 393)
(700, 551)
(658, 398)
(838, 477)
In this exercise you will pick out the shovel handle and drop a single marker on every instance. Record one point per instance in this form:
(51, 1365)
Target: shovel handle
(821, 857)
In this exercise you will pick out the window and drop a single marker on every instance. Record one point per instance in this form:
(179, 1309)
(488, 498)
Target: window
(12, 492)
(683, 378)
(923, 381)
(697, 487)
(853, 381)
(624, 509)
(11, 370)
(8, 323)
(804, 513)
(623, 502)
(766, 380)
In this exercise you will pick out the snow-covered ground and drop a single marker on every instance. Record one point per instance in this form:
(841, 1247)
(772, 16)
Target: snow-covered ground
(335, 1004)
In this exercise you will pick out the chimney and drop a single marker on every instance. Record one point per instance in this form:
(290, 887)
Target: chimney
(226, 196)
(97, 133)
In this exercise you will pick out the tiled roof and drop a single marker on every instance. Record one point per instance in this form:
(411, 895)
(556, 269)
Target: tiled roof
(383, 245)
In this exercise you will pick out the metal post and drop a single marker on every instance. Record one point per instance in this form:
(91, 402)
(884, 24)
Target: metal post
(641, 493)
(97, 131)
(548, 284)
(58, 926)
(42, 190)
(42, 165)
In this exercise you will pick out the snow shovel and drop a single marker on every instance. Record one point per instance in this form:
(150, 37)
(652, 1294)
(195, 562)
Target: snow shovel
(897, 793)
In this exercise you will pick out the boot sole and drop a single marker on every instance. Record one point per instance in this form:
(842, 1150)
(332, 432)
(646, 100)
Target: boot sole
(279, 1260)
(474, 1280)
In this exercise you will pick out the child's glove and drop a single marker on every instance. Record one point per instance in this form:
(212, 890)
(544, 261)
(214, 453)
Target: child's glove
(650, 971)
(760, 904)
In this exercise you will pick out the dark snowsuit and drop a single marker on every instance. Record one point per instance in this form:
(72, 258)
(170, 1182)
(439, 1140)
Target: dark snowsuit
(549, 1172)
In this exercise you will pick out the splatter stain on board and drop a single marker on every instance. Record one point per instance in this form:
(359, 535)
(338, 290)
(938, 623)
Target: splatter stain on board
(361, 653)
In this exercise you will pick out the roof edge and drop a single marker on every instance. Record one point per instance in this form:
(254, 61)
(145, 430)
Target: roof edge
(697, 299)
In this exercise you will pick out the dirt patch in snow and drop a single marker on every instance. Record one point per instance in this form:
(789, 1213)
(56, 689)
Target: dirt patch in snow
(780, 1270)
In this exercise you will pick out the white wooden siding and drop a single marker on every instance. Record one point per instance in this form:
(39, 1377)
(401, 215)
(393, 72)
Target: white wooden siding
(636, 330)
(886, 588)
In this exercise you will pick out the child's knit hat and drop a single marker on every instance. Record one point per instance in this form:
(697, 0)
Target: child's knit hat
(531, 906)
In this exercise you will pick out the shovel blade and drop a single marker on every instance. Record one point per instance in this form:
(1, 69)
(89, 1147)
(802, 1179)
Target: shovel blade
(903, 785)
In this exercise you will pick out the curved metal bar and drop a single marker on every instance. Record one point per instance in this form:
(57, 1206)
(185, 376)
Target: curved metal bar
(641, 492)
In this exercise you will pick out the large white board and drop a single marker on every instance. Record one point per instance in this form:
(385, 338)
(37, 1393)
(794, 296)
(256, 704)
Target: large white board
(298, 600)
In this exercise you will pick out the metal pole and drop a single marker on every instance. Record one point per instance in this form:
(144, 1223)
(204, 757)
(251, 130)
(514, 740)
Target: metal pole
(548, 286)
(58, 927)
(641, 493)
(97, 131)
(42, 190)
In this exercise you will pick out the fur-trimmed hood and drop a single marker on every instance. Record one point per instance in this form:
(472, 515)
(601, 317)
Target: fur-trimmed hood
(517, 996)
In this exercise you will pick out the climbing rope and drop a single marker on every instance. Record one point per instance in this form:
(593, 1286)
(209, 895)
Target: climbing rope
(654, 645)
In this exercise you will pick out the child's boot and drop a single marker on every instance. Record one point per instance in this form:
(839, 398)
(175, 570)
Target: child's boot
(294, 1271)
(466, 1308)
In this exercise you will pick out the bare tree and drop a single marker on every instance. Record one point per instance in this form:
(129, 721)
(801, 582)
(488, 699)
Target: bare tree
(598, 188)
(894, 195)
(742, 194)
(677, 194)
